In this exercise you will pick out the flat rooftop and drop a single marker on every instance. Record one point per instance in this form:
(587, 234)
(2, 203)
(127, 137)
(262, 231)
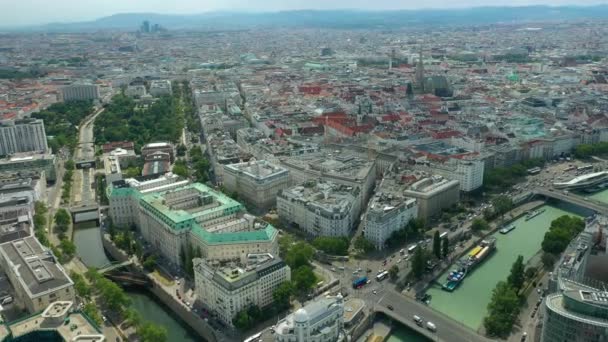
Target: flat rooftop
(37, 270)
(257, 169)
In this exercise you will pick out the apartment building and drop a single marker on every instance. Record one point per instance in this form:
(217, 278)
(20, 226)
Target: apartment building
(256, 181)
(79, 92)
(320, 208)
(434, 194)
(25, 135)
(226, 289)
(42, 162)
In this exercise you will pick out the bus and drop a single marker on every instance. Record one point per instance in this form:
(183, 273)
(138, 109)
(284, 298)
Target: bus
(411, 249)
(443, 235)
(359, 283)
(253, 338)
(584, 168)
(382, 275)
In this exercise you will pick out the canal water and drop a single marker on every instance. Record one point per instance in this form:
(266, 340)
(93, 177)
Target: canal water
(90, 250)
(468, 303)
(601, 196)
(401, 333)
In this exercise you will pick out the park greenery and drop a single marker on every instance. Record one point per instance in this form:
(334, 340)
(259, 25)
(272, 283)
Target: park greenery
(419, 262)
(68, 178)
(363, 245)
(479, 224)
(180, 168)
(588, 150)
(562, 230)
(200, 164)
(19, 75)
(506, 301)
(332, 245)
(40, 222)
(113, 298)
(501, 205)
(298, 256)
(503, 178)
(393, 272)
(124, 120)
(61, 122)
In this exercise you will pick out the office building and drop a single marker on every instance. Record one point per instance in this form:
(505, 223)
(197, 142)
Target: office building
(35, 274)
(58, 322)
(210, 221)
(41, 162)
(124, 196)
(257, 182)
(320, 208)
(79, 92)
(577, 304)
(156, 148)
(25, 135)
(388, 211)
(318, 321)
(112, 169)
(226, 289)
(434, 194)
(160, 88)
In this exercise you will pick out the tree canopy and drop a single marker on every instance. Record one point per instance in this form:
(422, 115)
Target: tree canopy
(332, 245)
(61, 121)
(561, 232)
(503, 310)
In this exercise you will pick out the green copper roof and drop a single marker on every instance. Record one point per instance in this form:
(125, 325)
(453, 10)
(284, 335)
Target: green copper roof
(262, 235)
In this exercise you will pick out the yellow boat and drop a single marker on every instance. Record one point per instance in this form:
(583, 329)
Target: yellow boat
(475, 251)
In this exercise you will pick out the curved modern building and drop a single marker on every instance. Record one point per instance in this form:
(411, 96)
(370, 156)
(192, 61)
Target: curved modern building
(584, 181)
(577, 308)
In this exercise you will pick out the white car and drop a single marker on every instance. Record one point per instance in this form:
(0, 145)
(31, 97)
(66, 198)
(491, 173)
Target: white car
(375, 292)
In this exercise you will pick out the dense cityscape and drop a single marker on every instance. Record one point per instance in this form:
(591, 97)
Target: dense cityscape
(303, 184)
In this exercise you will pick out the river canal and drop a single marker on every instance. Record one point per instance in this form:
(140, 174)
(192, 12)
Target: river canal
(90, 250)
(468, 303)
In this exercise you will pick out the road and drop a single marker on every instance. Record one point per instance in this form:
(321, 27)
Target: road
(448, 330)
(83, 192)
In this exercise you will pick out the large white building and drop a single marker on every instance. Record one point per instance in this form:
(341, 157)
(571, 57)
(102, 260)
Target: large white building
(320, 208)
(256, 181)
(26, 135)
(77, 91)
(160, 88)
(434, 194)
(38, 279)
(124, 196)
(388, 211)
(319, 321)
(176, 216)
(225, 290)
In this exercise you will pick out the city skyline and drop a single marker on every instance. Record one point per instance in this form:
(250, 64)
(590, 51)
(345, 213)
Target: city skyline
(35, 12)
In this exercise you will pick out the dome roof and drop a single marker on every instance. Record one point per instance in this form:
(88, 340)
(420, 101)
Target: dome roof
(301, 316)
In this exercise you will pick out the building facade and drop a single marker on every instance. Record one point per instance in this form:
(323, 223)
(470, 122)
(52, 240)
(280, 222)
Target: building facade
(26, 135)
(79, 92)
(256, 181)
(388, 212)
(42, 162)
(319, 321)
(38, 279)
(320, 208)
(226, 290)
(434, 194)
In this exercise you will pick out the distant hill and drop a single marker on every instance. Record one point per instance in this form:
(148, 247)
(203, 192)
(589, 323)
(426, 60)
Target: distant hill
(351, 19)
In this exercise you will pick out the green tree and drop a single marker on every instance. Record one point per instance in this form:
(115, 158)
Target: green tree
(548, 260)
(285, 243)
(479, 224)
(363, 244)
(304, 279)
(133, 317)
(332, 245)
(62, 217)
(516, 277)
(502, 204)
(91, 310)
(242, 321)
(583, 151)
(181, 170)
(150, 263)
(132, 172)
(68, 249)
(393, 272)
(112, 296)
(561, 232)
(445, 247)
(503, 310)
(530, 272)
(299, 255)
(150, 332)
(418, 263)
(82, 288)
(282, 294)
(437, 245)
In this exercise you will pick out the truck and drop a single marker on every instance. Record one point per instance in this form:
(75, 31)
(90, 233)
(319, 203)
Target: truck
(359, 282)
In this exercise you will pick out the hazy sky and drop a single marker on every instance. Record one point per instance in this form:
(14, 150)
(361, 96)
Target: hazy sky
(26, 12)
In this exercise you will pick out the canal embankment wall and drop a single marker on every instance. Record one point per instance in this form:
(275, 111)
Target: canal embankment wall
(196, 323)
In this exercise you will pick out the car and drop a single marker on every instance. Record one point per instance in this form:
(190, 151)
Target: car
(333, 269)
(368, 281)
(390, 307)
(524, 336)
(399, 261)
(418, 320)
(103, 318)
(431, 326)
(179, 282)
